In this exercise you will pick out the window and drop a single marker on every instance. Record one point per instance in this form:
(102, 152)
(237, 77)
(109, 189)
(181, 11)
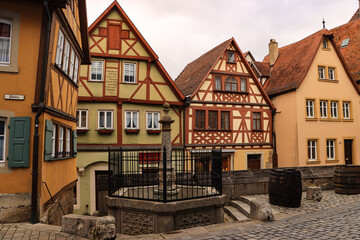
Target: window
(331, 72)
(76, 70)
(59, 48)
(243, 83)
(61, 142)
(321, 72)
(218, 83)
(96, 70)
(225, 120)
(81, 116)
(325, 43)
(68, 137)
(152, 120)
(231, 57)
(105, 119)
(256, 121)
(5, 41)
(310, 108)
(213, 119)
(72, 59)
(131, 120)
(2, 141)
(334, 109)
(330, 149)
(346, 110)
(231, 84)
(345, 42)
(323, 109)
(53, 140)
(65, 66)
(129, 72)
(312, 150)
(200, 119)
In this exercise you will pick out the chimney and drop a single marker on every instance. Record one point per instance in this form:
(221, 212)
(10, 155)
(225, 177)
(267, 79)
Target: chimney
(273, 51)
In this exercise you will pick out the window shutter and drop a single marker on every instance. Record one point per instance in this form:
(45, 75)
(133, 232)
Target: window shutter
(114, 37)
(19, 146)
(74, 143)
(48, 140)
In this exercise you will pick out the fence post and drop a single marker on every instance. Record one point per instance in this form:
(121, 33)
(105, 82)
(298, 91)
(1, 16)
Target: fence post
(216, 172)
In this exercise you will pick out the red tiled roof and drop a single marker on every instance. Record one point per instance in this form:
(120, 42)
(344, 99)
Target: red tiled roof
(263, 68)
(356, 16)
(193, 74)
(292, 64)
(351, 52)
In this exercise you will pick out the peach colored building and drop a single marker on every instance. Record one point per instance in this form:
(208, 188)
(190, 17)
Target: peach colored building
(317, 103)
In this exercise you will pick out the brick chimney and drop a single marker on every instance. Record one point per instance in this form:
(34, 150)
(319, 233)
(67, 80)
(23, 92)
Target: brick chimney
(273, 51)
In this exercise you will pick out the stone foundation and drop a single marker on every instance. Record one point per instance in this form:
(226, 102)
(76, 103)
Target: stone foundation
(135, 217)
(15, 207)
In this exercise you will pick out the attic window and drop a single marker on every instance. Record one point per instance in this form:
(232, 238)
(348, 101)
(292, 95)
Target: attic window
(345, 42)
(231, 57)
(325, 43)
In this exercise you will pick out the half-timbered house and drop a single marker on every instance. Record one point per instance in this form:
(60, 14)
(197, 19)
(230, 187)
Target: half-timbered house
(42, 44)
(228, 108)
(120, 101)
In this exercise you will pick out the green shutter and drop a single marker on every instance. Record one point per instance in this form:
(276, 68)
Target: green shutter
(19, 142)
(48, 140)
(74, 143)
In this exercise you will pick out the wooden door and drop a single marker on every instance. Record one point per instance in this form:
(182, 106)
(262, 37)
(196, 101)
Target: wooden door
(225, 163)
(253, 161)
(348, 146)
(102, 187)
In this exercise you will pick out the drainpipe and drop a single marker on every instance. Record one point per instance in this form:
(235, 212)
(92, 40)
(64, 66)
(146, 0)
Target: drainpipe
(35, 165)
(275, 156)
(186, 105)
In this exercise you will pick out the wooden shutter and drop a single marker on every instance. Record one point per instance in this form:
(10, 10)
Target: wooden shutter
(48, 140)
(19, 142)
(114, 37)
(74, 143)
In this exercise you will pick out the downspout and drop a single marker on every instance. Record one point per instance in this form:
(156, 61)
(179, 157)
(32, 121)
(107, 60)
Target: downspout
(275, 156)
(186, 105)
(35, 165)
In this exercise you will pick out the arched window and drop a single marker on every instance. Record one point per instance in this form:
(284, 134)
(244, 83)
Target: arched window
(231, 84)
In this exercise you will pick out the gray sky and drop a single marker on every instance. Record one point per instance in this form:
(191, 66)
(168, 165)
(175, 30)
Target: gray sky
(180, 31)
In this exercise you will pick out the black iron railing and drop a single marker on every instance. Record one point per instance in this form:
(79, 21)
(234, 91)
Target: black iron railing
(189, 174)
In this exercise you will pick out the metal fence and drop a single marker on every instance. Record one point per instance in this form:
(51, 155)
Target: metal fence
(189, 174)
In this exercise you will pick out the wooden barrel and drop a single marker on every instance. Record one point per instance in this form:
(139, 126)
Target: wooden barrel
(285, 187)
(347, 179)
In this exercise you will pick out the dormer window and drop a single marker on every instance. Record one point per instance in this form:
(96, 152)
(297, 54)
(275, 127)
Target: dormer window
(231, 57)
(325, 43)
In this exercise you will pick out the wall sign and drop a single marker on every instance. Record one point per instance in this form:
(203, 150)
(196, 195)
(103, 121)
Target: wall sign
(14, 97)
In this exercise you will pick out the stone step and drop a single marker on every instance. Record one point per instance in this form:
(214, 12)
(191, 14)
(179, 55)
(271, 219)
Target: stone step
(243, 207)
(246, 199)
(235, 213)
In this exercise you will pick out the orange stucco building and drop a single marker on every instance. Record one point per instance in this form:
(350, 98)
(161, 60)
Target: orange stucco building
(42, 45)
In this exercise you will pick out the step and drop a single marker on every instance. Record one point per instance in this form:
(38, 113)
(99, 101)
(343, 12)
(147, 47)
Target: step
(246, 199)
(243, 207)
(235, 213)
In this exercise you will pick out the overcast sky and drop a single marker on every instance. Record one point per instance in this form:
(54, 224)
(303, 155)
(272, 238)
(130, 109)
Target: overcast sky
(180, 31)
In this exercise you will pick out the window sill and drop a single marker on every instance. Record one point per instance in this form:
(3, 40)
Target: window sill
(95, 81)
(60, 158)
(228, 91)
(230, 62)
(132, 131)
(9, 69)
(332, 161)
(213, 130)
(347, 120)
(255, 130)
(105, 131)
(133, 83)
(329, 120)
(326, 49)
(328, 80)
(313, 161)
(311, 119)
(153, 131)
(82, 131)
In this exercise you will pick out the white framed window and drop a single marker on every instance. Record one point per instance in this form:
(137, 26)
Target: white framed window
(330, 149)
(334, 109)
(105, 119)
(323, 109)
(152, 120)
(72, 61)
(325, 43)
(218, 82)
(96, 70)
(131, 120)
(53, 139)
(59, 48)
(231, 57)
(243, 83)
(81, 119)
(129, 73)
(65, 66)
(2, 140)
(61, 142)
(310, 108)
(5, 41)
(346, 110)
(331, 73)
(321, 72)
(76, 70)
(68, 137)
(312, 150)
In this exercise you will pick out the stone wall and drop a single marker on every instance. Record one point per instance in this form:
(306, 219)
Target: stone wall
(15, 207)
(252, 182)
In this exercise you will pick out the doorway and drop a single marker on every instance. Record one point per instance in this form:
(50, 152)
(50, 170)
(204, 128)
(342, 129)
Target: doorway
(348, 150)
(253, 161)
(101, 178)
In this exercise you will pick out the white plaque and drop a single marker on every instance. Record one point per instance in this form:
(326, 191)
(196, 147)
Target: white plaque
(14, 97)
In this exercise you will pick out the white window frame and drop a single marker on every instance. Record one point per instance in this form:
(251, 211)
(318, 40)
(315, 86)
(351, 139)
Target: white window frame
(53, 139)
(152, 116)
(4, 143)
(325, 43)
(105, 120)
(128, 72)
(243, 85)
(132, 113)
(68, 142)
(61, 141)
(321, 71)
(72, 63)
(334, 109)
(76, 70)
(346, 110)
(6, 21)
(231, 57)
(65, 66)
(310, 108)
(80, 113)
(97, 70)
(324, 109)
(218, 83)
(59, 48)
(330, 149)
(312, 149)
(331, 73)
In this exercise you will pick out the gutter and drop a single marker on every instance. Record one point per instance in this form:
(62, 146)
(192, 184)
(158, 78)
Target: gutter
(35, 163)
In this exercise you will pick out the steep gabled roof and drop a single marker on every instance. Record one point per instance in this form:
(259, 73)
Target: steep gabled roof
(351, 52)
(356, 16)
(262, 68)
